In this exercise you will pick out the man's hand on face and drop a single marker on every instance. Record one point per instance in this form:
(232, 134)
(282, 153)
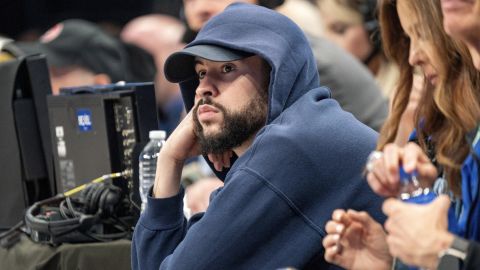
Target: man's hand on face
(181, 145)
(221, 161)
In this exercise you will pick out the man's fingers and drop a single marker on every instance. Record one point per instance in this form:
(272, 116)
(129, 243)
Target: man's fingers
(226, 159)
(217, 160)
(220, 160)
(211, 157)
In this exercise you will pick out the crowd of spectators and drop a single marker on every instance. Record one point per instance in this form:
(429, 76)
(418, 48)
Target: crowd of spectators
(407, 69)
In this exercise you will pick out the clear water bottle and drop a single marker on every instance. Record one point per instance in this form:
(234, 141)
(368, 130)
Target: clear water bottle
(148, 163)
(411, 191)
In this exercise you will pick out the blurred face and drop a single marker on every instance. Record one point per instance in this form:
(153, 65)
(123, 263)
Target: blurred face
(461, 19)
(197, 12)
(69, 77)
(420, 53)
(231, 102)
(345, 27)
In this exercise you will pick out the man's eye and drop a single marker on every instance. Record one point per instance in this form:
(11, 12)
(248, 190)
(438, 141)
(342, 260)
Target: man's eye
(227, 68)
(201, 74)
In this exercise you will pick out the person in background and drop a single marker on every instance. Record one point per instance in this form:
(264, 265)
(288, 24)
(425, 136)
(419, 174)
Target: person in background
(287, 152)
(160, 35)
(418, 234)
(461, 20)
(80, 53)
(352, 25)
(195, 194)
(304, 14)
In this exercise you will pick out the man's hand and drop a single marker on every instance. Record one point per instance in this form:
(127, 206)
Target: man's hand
(221, 161)
(356, 241)
(181, 144)
(417, 233)
(383, 173)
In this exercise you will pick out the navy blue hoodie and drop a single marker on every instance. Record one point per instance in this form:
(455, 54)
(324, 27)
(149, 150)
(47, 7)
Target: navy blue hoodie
(306, 162)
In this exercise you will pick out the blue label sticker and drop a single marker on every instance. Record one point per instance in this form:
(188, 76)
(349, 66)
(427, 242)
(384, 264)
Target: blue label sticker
(84, 119)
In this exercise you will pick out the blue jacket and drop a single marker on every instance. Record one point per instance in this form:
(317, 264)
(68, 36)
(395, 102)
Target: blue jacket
(468, 225)
(306, 162)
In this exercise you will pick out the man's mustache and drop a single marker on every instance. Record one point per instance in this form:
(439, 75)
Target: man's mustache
(208, 101)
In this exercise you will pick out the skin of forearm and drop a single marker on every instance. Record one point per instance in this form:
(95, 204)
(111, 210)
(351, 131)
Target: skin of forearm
(168, 174)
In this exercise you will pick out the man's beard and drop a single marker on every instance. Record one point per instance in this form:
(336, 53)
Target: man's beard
(237, 126)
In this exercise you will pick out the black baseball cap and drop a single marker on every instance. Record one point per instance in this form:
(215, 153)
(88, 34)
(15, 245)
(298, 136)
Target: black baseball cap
(77, 42)
(180, 66)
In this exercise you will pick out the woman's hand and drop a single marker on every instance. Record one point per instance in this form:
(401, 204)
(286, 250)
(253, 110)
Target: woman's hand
(383, 170)
(356, 241)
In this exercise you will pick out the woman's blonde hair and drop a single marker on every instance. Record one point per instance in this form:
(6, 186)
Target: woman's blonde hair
(449, 110)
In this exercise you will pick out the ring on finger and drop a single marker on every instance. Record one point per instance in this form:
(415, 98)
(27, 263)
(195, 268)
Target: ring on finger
(374, 156)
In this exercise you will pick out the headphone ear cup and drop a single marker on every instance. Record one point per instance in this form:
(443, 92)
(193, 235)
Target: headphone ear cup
(110, 199)
(97, 194)
(102, 202)
(87, 195)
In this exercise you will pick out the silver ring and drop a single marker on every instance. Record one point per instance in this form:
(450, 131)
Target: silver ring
(374, 156)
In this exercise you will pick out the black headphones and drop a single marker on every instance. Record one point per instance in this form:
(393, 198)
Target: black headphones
(62, 219)
(100, 199)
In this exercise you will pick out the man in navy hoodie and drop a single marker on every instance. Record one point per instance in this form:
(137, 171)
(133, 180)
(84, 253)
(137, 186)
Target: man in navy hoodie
(251, 79)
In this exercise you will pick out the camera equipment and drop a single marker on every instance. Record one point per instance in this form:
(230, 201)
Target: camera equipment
(98, 129)
(27, 168)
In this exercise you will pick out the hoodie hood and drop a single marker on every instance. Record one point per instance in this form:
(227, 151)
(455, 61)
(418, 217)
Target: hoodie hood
(270, 35)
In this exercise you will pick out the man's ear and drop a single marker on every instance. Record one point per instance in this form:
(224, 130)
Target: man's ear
(102, 78)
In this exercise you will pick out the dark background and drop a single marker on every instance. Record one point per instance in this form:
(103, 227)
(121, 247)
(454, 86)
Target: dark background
(26, 19)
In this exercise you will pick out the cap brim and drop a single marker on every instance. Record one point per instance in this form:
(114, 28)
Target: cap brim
(53, 58)
(180, 66)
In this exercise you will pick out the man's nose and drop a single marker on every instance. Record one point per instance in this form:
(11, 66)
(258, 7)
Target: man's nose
(206, 88)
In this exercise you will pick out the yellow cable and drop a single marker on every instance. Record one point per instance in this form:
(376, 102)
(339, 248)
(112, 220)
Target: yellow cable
(96, 180)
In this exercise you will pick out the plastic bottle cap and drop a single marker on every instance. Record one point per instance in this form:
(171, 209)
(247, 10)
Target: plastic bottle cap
(404, 176)
(157, 134)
